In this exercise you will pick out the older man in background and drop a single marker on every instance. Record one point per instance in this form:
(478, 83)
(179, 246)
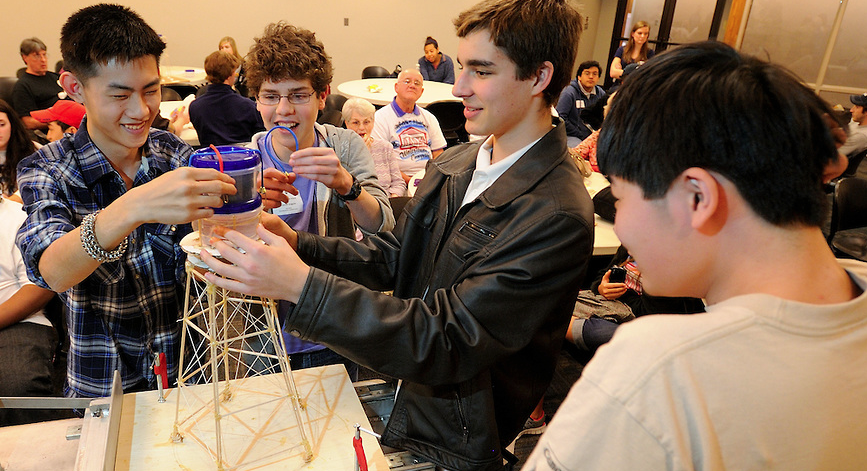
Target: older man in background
(413, 131)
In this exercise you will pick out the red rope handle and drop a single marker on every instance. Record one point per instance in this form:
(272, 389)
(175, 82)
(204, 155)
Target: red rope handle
(219, 157)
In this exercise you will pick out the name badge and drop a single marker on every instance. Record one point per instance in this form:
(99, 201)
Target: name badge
(579, 104)
(294, 206)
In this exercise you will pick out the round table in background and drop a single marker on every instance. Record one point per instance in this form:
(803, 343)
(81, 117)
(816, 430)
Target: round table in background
(380, 91)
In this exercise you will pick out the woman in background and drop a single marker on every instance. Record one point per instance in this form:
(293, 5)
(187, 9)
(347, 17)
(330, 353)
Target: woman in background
(636, 50)
(435, 65)
(358, 114)
(228, 44)
(15, 144)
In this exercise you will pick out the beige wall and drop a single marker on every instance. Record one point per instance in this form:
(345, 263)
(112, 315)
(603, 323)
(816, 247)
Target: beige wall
(380, 32)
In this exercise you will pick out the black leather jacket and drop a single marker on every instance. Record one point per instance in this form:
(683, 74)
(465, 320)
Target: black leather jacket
(482, 298)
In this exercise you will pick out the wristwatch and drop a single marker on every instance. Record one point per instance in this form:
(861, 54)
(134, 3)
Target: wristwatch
(354, 191)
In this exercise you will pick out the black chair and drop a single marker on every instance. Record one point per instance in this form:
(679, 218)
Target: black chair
(202, 90)
(335, 101)
(450, 115)
(58, 66)
(20, 72)
(848, 233)
(333, 111)
(169, 94)
(854, 162)
(375, 71)
(6, 86)
(397, 205)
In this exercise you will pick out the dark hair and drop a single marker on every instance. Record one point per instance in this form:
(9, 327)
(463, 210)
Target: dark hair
(287, 52)
(220, 65)
(99, 34)
(704, 105)
(19, 146)
(529, 32)
(31, 45)
(433, 41)
(630, 45)
(587, 65)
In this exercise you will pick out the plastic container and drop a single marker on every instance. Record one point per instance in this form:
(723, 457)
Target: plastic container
(244, 222)
(240, 211)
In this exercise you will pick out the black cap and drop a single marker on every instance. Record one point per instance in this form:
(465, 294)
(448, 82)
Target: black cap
(860, 100)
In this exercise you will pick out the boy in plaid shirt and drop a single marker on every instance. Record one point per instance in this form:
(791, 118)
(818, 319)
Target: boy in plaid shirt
(108, 206)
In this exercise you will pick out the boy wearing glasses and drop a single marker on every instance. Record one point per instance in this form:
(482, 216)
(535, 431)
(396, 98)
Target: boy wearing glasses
(108, 206)
(485, 262)
(327, 185)
(413, 131)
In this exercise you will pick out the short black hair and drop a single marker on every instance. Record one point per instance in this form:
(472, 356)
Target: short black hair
(433, 41)
(99, 34)
(587, 65)
(705, 105)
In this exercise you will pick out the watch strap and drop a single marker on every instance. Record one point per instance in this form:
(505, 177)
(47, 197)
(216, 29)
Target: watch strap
(354, 191)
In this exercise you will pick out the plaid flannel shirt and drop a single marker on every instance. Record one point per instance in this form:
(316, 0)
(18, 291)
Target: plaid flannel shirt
(125, 311)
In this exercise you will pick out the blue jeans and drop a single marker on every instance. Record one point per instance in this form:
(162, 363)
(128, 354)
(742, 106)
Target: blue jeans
(593, 332)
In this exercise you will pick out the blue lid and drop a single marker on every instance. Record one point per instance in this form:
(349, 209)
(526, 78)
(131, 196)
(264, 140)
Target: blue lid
(242, 207)
(234, 158)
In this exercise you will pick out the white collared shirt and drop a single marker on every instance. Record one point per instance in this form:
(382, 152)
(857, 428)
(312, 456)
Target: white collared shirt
(487, 173)
(589, 94)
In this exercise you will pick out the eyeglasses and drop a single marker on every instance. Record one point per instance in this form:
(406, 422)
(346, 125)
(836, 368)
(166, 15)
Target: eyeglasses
(271, 99)
(416, 82)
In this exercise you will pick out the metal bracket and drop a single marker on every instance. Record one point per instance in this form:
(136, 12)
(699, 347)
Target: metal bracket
(97, 450)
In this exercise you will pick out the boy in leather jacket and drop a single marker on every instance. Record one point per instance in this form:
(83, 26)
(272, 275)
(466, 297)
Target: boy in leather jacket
(484, 263)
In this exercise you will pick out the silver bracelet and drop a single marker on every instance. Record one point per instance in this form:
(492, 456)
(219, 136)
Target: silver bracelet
(91, 245)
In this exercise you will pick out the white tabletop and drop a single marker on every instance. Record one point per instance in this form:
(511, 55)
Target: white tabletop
(380, 91)
(605, 241)
(182, 75)
(189, 134)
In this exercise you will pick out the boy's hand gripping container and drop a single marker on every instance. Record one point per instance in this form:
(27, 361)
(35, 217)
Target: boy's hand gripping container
(241, 211)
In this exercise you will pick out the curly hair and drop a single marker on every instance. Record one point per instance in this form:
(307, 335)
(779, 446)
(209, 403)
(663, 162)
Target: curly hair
(18, 147)
(288, 52)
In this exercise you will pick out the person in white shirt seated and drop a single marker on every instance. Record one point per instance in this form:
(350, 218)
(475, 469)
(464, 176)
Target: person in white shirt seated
(413, 131)
(857, 140)
(27, 339)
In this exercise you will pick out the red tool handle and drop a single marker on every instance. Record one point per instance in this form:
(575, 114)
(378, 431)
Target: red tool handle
(161, 370)
(359, 453)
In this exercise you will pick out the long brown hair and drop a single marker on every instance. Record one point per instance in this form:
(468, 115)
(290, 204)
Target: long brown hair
(231, 41)
(19, 146)
(630, 45)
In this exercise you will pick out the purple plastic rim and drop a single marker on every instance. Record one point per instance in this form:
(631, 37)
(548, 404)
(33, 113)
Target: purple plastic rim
(234, 158)
(235, 208)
